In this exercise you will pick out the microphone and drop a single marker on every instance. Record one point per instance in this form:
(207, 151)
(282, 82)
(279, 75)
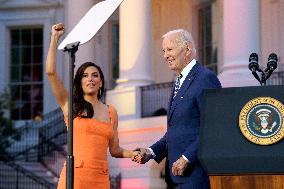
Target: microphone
(253, 62)
(253, 65)
(272, 62)
(271, 65)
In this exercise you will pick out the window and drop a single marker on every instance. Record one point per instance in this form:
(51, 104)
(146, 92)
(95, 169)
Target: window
(26, 77)
(115, 52)
(207, 55)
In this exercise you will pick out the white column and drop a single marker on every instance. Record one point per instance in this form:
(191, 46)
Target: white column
(241, 38)
(135, 43)
(135, 58)
(75, 11)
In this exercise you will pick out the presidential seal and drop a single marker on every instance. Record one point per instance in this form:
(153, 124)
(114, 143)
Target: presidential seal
(261, 120)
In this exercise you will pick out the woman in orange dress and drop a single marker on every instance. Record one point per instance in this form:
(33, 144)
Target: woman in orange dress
(94, 125)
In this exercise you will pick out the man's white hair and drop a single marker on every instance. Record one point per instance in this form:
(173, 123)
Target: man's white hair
(183, 39)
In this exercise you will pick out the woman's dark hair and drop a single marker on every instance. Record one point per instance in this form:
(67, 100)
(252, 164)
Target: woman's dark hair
(81, 107)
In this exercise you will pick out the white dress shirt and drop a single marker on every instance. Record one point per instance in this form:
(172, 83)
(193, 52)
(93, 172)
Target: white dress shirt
(186, 71)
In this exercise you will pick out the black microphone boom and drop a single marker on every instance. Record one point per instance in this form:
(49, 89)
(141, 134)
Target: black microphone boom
(254, 67)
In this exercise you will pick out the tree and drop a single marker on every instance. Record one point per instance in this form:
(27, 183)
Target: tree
(8, 133)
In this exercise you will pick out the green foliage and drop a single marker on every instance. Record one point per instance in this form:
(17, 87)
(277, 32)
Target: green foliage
(8, 133)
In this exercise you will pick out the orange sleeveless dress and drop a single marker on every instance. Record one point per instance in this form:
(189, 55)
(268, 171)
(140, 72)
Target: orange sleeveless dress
(90, 142)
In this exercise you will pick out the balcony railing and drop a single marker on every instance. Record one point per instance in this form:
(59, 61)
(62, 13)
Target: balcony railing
(277, 78)
(13, 176)
(155, 99)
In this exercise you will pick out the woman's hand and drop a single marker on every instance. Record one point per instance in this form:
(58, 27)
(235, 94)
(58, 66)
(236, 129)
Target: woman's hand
(134, 154)
(57, 30)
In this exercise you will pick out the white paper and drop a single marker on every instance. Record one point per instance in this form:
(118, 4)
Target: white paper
(90, 24)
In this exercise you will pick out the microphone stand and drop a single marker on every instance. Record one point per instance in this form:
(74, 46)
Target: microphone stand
(263, 78)
(71, 49)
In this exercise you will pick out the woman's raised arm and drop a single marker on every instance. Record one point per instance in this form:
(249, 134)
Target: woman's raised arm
(56, 83)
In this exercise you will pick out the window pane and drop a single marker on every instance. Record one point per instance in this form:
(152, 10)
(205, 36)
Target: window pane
(26, 73)
(208, 55)
(26, 111)
(15, 93)
(115, 52)
(15, 56)
(37, 55)
(37, 73)
(15, 113)
(37, 37)
(26, 93)
(15, 36)
(15, 74)
(36, 93)
(201, 54)
(37, 109)
(16, 109)
(26, 37)
(208, 36)
(26, 55)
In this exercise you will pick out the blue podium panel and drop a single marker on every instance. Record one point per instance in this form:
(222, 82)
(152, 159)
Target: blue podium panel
(225, 148)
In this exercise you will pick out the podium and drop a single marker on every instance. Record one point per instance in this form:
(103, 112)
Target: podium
(241, 132)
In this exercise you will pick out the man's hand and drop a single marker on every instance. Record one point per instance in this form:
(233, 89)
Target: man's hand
(134, 153)
(144, 155)
(179, 166)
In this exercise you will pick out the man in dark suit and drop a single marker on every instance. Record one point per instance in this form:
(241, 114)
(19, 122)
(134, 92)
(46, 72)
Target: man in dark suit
(180, 143)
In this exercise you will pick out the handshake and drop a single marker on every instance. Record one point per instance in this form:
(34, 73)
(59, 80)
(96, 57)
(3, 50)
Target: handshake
(141, 155)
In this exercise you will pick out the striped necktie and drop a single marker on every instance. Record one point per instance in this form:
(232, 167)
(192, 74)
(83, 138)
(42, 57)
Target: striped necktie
(177, 85)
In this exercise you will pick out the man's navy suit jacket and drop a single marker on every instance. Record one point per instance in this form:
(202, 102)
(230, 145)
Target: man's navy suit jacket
(183, 119)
